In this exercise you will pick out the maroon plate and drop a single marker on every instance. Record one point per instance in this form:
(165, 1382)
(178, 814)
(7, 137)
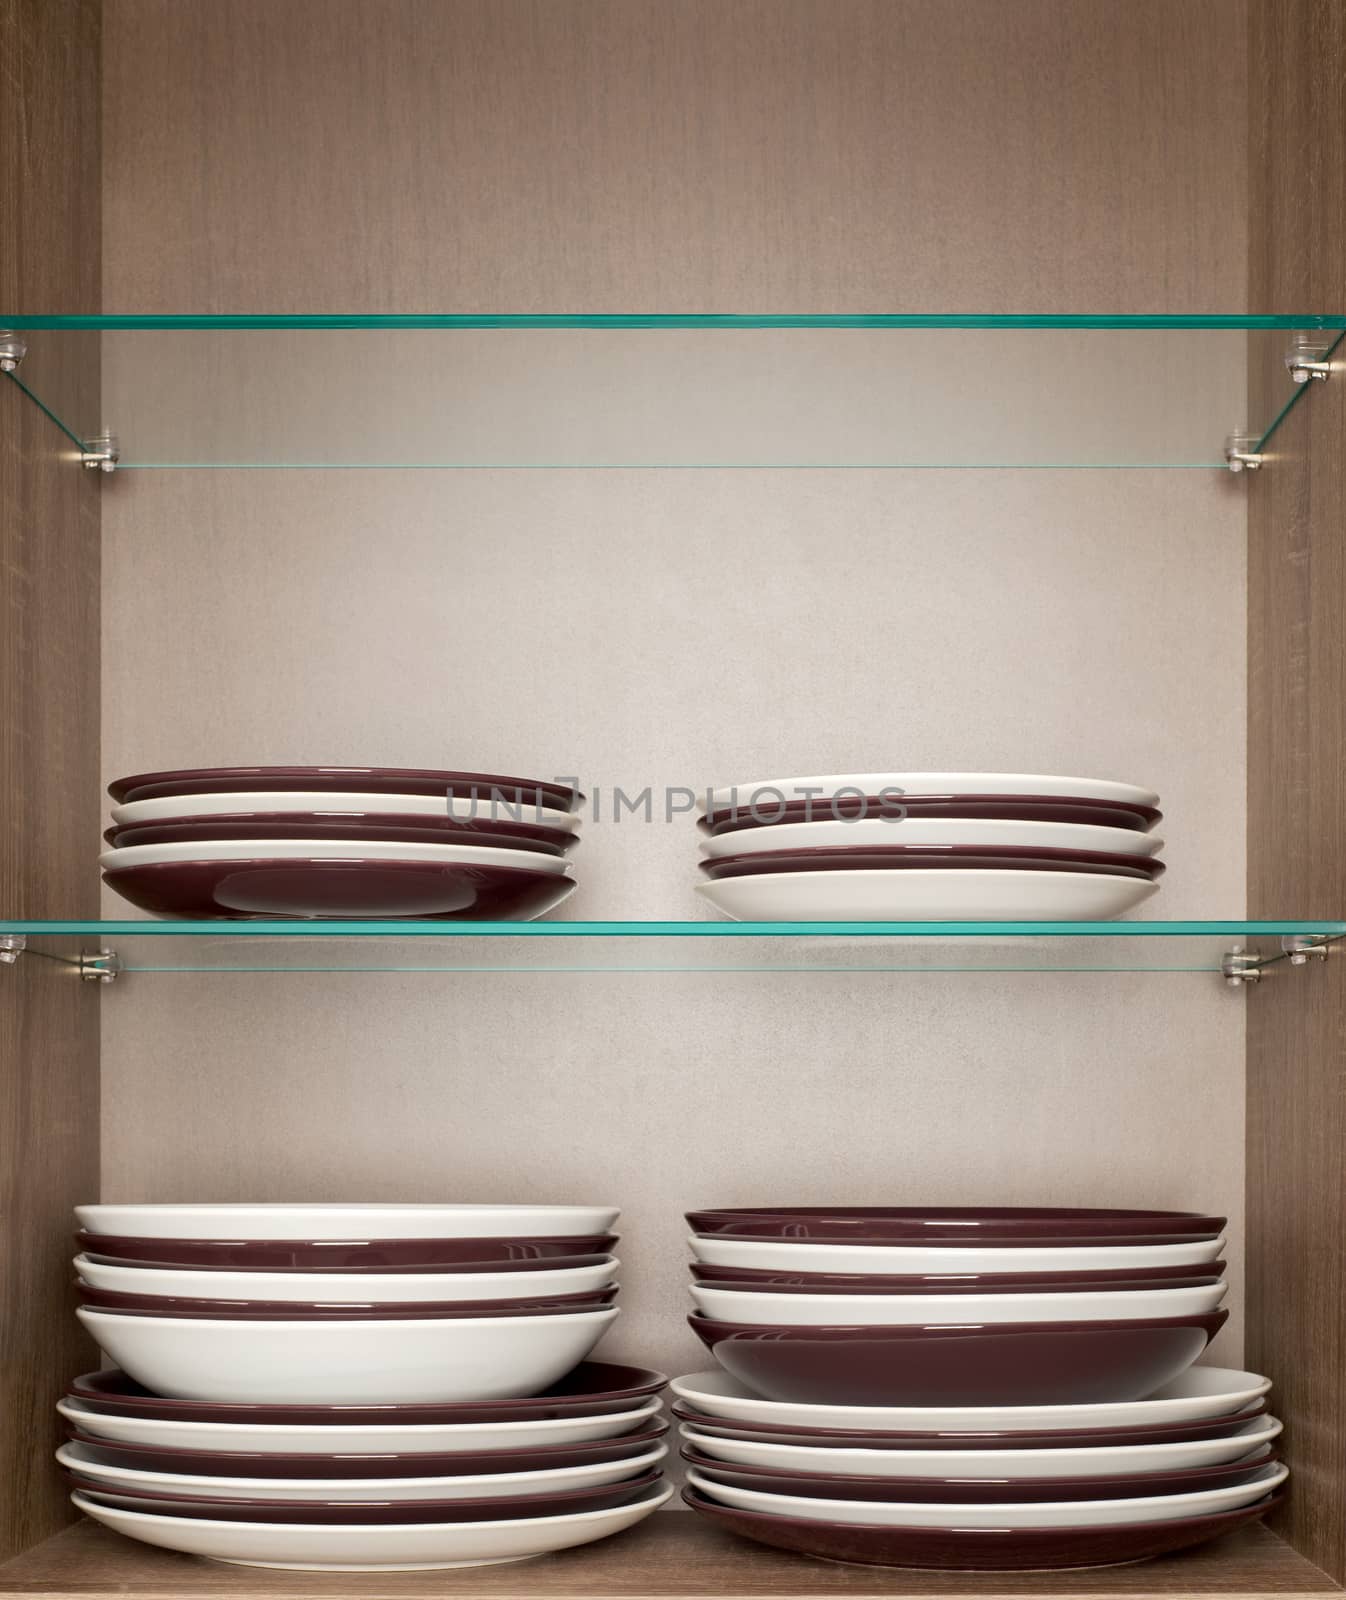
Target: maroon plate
(348, 825)
(976, 1490)
(255, 1464)
(977, 1549)
(947, 807)
(592, 1389)
(971, 1225)
(224, 1311)
(761, 1280)
(486, 786)
(352, 1255)
(565, 1502)
(914, 858)
(1005, 1439)
(168, 1305)
(1003, 1364)
(260, 888)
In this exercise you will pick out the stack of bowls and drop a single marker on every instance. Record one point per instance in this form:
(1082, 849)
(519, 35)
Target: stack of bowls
(357, 1387)
(929, 846)
(859, 1344)
(340, 842)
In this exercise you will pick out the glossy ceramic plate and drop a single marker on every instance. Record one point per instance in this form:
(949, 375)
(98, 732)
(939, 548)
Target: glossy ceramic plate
(181, 808)
(463, 855)
(887, 1310)
(935, 894)
(325, 1310)
(347, 1362)
(921, 858)
(984, 833)
(1199, 1394)
(376, 780)
(461, 1438)
(341, 1222)
(1012, 1225)
(351, 888)
(977, 1549)
(508, 1253)
(1072, 810)
(1008, 1363)
(968, 1283)
(348, 825)
(838, 1255)
(368, 1548)
(589, 1389)
(1037, 785)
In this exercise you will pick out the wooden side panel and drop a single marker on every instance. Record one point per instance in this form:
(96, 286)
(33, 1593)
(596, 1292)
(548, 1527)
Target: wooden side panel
(1296, 1185)
(49, 675)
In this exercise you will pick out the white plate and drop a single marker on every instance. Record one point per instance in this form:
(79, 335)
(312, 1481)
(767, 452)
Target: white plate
(1200, 1392)
(770, 790)
(380, 805)
(347, 1363)
(474, 1486)
(346, 1287)
(468, 855)
(338, 1221)
(788, 1256)
(987, 834)
(931, 1310)
(340, 1437)
(1095, 1461)
(933, 894)
(1039, 1514)
(374, 1547)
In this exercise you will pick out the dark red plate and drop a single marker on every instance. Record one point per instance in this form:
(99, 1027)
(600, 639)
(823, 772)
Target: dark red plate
(891, 857)
(485, 786)
(352, 1255)
(262, 888)
(1002, 1364)
(325, 1310)
(971, 1225)
(947, 807)
(977, 1549)
(763, 1279)
(593, 1388)
(349, 825)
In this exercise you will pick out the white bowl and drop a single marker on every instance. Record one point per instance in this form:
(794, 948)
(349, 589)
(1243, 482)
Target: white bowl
(345, 1287)
(337, 1221)
(1035, 1514)
(1198, 1394)
(989, 834)
(347, 1363)
(381, 805)
(922, 783)
(926, 894)
(1079, 1462)
(789, 1256)
(896, 1310)
(472, 1486)
(467, 855)
(374, 1547)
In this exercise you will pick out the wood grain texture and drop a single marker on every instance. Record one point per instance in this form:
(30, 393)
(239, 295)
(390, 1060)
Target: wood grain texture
(49, 722)
(632, 155)
(674, 1554)
(1296, 1183)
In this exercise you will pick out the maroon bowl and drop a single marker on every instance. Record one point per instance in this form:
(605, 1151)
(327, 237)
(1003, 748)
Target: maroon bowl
(563, 1502)
(592, 1389)
(916, 858)
(167, 1305)
(1004, 1363)
(520, 1254)
(977, 1549)
(971, 1225)
(948, 807)
(978, 1490)
(346, 825)
(762, 1280)
(485, 786)
(983, 1439)
(445, 891)
(255, 1464)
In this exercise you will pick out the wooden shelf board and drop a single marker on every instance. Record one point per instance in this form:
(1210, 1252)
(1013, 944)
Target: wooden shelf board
(674, 1555)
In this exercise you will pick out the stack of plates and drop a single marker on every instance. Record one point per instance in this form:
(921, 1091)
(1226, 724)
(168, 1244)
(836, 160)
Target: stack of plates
(859, 1344)
(929, 846)
(357, 1387)
(340, 842)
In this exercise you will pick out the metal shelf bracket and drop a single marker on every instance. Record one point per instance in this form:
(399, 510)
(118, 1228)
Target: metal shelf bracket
(1240, 967)
(100, 966)
(102, 451)
(12, 946)
(1306, 359)
(12, 350)
(1301, 948)
(1240, 452)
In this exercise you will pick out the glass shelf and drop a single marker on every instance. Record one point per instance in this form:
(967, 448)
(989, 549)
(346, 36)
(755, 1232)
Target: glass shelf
(285, 946)
(673, 391)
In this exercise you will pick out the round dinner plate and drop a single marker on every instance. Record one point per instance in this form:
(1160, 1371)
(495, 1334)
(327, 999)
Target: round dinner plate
(348, 825)
(757, 1281)
(327, 1310)
(379, 780)
(181, 808)
(506, 1253)
(337, 1221)
(463, 855)
(1199, 1393)
(987, 833)
(942, 808)
(895, 857)
(1036, 785)
(929, 895)
(841, 1255)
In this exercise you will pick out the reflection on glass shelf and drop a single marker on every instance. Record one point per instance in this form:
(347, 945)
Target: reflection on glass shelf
(630, 391)
(275, 946)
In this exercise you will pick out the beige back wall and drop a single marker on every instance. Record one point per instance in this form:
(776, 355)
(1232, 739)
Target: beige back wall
(667, 627)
